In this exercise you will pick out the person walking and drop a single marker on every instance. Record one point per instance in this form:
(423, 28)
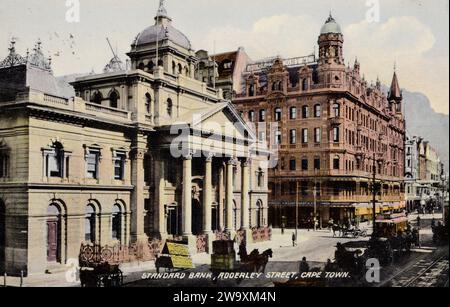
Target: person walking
(294, 240)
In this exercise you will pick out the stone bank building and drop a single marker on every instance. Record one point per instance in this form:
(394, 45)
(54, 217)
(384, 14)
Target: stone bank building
(100, 166)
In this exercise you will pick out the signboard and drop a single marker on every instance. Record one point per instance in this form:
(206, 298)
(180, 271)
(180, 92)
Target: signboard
(179, 255)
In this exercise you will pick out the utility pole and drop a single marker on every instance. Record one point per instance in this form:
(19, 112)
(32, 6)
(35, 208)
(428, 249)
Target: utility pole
(374, 192)
(315, 201)
(296, 212)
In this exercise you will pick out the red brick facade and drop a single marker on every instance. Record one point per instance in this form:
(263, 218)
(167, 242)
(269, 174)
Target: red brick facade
(331, 126)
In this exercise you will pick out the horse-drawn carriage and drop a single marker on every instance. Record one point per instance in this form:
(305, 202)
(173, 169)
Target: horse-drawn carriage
(223, 259)
(348, 231)
(393, 237)
(101, 275)
(98, 267)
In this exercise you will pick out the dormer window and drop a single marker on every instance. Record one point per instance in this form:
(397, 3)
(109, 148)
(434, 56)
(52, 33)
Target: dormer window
(304, 84)
(113, 99)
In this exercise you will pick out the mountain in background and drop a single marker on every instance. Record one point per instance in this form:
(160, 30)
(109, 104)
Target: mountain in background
(422, 120)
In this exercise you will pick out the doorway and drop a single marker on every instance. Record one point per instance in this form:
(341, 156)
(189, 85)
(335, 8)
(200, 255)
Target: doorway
(53, 235)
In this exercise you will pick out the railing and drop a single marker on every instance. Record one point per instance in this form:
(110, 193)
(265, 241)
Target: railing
(201, 243)
(261, 234)
(56, 100)
(107, 110)
(92, 255)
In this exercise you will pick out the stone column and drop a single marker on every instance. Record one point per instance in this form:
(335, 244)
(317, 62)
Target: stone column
(245, 194)
(229, 196)
(187, 196)
(221, 197)
(137, 196)
(207, 191)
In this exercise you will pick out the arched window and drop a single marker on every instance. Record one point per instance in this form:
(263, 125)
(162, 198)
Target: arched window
(260, 178)
(113, 99)
(148, 103)
(90, 224)
(280, 86)
(317, 111)
(336, 110)
(186, 71)
(150, 66)
(305, 112)
(174, 68)
(259, 214)
(251, 90)
(2, 236)
(169, 107)
(304, 84)
(97, 97)
(116, 224)
(180, 69)
(141, 66)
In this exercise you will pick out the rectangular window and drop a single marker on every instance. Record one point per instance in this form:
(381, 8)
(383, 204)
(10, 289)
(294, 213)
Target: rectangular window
(278, 138)
(251, 116)
(336, 136)
(262, 136)
(304, 164)
(305, 136)
(336, 164)
(92, 165)
(293, 137)
(119, 167)
(262, 115)
(278, 114)
(293, 113)
(317, 135)
(3, 166)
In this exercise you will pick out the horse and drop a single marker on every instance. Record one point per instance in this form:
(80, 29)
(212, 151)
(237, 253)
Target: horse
(336, 228)
(262, 260)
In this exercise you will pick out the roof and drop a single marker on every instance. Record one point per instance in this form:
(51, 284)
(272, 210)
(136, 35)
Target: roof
(160, 32)
(331, 26)
(395, 93)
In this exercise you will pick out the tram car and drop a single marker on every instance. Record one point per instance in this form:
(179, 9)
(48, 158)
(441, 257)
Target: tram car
(392, 238)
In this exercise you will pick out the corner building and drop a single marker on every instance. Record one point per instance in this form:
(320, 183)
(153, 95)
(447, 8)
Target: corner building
(97, 167)
(333, 132)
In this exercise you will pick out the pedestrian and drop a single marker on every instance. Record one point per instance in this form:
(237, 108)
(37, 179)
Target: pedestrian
(418, 222)
(294, 240)
(282, 228)
(304, 266)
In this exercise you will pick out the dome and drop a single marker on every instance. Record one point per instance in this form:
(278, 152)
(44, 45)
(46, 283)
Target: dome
(331, 26)
(161, 32)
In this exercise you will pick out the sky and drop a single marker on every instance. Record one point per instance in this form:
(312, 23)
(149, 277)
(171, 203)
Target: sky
(411, 34)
